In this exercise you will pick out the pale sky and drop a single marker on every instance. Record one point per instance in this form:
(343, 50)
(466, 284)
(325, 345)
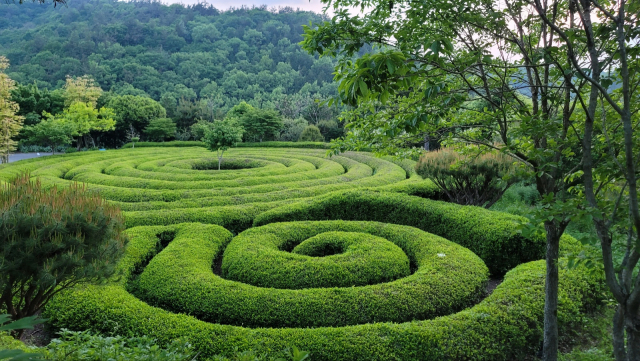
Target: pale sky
(312, 5)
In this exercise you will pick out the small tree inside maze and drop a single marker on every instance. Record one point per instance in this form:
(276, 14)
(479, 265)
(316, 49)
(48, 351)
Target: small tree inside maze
(51, 240)
(222, 135)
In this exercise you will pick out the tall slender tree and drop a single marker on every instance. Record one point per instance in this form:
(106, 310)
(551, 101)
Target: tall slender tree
(10, 122)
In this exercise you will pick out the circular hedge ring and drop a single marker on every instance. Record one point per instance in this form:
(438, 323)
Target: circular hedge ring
(161, 186)
(447, 278)
(331, 259)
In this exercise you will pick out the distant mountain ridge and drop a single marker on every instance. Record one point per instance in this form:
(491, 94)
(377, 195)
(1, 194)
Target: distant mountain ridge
(168, 52)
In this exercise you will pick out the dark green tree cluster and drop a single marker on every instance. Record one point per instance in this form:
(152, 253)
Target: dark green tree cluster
(189, 57)
(189, 64)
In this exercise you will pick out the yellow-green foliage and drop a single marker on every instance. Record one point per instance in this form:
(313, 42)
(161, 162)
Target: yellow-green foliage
(168, 186)
(478, 180)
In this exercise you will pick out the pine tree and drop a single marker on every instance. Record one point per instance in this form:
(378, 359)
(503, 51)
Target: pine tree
(10, 123)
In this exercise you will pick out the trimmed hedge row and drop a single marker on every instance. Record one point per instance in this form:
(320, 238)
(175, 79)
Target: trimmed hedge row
(491, 235)
(272, 144)
(331, 259)
(346, 259)
(171, 168)
(171, 144)
(180, 279)
(507, 325)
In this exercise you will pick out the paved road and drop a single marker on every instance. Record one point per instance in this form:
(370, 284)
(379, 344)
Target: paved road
(20, 156)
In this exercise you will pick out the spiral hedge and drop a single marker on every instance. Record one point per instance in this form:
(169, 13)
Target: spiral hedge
(338, 256)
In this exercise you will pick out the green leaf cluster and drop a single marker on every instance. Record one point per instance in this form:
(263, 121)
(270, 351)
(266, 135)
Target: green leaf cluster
(160, 129)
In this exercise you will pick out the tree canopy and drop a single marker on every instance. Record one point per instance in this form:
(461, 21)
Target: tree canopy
(551, 83)
(222, 135)
(168, 53)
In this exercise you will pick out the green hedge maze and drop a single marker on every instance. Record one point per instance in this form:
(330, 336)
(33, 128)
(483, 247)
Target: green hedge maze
(350, 257)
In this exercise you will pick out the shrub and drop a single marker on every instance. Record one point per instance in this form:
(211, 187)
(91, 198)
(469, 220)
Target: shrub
(52, 240)
(291, 129)
(31, 148)
(180, 279)
(468, 180)
(174, 270)
(172, 144)
(504, 326)
(311, 134)
(274, 144)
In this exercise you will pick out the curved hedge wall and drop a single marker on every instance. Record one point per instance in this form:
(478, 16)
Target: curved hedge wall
(180, 279)
(506, 325)
(328, 259)
(169, 185)
(175, 275)
(491, 235)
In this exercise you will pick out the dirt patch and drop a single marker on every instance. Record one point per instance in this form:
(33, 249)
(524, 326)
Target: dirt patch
(217, 265)
(39, 336)
(492, 284)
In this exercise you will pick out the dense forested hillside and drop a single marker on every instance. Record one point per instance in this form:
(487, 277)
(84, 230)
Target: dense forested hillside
(171, 53)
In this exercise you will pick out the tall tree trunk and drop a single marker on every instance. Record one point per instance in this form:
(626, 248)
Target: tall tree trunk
(633, 337)
(550, 346)
(618, 334)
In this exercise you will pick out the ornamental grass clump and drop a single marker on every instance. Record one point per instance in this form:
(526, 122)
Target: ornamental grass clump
(52, 239)
(468, 180)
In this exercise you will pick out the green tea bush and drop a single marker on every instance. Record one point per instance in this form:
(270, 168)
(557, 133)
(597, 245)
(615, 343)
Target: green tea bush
(491, 235)
(311, 134)
(269, 144)
(504, 326)
(169, 185)
(171, 144)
